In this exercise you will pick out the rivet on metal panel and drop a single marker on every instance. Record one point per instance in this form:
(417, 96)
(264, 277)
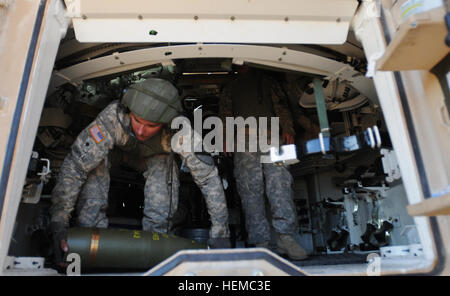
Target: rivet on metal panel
(84, 16)
(196, 17)
(140, 17)
(233, 18)
(286, 19)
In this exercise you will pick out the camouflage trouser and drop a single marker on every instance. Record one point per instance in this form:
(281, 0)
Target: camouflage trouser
(250, 175)
(158, 207)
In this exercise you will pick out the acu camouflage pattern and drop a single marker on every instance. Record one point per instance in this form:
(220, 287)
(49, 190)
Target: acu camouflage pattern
(83, 182)
(93, 200)
(272, 89)
(250, 173)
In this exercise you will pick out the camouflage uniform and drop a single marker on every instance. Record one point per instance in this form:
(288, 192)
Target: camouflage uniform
(259, 96)
(85, 173)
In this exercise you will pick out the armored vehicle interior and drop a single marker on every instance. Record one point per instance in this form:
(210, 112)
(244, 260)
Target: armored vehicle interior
(349, 195)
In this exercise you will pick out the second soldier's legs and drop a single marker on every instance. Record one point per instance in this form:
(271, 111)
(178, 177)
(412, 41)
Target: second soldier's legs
(280, 194)
(250, 186)
(284, 217)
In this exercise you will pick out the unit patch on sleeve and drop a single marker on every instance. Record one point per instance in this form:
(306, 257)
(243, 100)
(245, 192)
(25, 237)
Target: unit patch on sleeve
(97, 134)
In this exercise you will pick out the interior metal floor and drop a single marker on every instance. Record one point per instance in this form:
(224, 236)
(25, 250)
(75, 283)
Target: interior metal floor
(332, 259)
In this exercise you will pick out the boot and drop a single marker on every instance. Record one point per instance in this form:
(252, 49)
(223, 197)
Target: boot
(286, 244)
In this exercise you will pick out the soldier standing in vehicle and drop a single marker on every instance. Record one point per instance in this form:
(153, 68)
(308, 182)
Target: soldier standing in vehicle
(255, 94)
(137, 125)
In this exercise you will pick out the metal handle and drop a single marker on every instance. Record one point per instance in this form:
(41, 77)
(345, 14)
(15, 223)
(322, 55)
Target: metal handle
(371, 138)
(322, 144)
(377, 135)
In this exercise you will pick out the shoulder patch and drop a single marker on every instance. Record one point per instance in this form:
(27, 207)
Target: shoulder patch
(97, 134)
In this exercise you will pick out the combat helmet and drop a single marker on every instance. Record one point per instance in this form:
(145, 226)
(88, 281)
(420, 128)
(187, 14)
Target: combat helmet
(154, 99)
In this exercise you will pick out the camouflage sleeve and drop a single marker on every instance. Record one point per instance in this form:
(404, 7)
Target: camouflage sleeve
(206, 176)
(89, 149)
(280, 106)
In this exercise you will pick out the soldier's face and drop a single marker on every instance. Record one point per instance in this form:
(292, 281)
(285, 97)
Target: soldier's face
(144, 129)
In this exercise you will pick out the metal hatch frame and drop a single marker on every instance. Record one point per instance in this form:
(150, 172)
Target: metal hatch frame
(367, 27)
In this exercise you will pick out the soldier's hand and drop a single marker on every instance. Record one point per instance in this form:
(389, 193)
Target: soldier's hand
(287, 138)
(58, 232)
(219, 243)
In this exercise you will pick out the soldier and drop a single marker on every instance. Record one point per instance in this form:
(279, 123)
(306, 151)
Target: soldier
(256, 94)
(137, 125)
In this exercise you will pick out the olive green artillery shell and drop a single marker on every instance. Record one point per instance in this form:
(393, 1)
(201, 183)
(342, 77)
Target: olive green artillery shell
(124, 248)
